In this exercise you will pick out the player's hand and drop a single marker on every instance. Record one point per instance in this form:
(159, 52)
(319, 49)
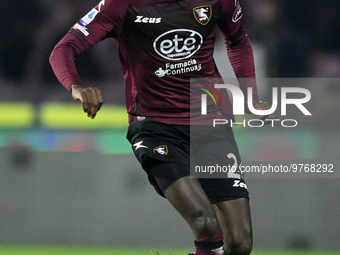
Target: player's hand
(259, 105)
(91, 99)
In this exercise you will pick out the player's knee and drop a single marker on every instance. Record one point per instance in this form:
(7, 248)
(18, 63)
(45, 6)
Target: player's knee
(240, 246)
(206, 224)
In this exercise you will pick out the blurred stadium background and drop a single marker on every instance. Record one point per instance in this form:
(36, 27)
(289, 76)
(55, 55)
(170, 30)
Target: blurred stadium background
(68, 183)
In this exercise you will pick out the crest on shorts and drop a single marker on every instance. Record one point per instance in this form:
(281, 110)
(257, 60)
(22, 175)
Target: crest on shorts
(203, 14)
(162, 149)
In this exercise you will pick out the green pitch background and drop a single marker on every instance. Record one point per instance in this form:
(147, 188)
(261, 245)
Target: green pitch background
(56, 250)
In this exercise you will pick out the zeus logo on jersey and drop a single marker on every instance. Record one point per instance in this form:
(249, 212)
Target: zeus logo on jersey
(178, 44)
(142, 19)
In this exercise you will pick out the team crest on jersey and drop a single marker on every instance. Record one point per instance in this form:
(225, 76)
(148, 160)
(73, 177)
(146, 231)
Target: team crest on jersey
(203, 14)
(162, 149)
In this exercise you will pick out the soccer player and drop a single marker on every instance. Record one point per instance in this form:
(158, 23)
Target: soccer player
(162, 45)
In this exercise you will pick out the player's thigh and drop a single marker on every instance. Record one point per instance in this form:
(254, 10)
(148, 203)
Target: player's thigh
(189, 199)
(187, 196)
(214, 153)
(162, 150)
(219, 154)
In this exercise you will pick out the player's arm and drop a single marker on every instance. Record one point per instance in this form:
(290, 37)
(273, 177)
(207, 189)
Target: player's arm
(87, 32)
(240, 53)
(62, 62)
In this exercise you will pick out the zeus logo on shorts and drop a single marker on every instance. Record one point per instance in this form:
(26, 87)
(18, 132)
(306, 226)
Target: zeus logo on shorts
(178, 44)
(240, 184)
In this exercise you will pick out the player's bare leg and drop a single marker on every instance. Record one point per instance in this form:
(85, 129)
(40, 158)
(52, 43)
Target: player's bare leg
(235, 219)
(189, 199)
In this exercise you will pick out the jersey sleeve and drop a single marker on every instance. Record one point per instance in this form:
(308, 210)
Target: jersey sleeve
(240, 51)
(103, 21)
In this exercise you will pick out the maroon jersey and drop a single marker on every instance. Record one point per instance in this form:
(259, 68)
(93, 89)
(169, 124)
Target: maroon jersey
(162, 44)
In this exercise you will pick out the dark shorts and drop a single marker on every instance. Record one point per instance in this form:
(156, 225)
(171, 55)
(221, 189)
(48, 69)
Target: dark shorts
(170, 152)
